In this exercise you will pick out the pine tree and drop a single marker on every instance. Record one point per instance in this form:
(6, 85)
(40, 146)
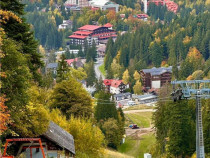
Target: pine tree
(105, 107)
(90, 71)
(21, 33)
(62, 69)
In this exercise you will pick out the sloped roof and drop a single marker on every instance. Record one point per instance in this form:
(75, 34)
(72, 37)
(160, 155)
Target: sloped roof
(112, 83)
(82, 32)
(108, 25)
(158, 71)
(89, 27)
(59, 136)
(122, 94)
(70, 61)
(116, 83)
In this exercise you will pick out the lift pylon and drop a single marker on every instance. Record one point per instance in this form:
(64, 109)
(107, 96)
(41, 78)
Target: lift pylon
(198, 89)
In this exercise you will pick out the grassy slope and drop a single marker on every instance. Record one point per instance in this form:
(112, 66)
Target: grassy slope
(101, 68)
(137, 148)
(115, 154)
(138, 107)
(142, 119)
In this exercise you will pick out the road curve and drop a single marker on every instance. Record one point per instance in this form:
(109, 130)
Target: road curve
(100, 61)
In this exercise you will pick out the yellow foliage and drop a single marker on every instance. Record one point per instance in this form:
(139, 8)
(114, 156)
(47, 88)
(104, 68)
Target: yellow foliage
(158, 40)
(118, 56)
(194, 54)
(207, 2)
(190, 78)
(186, 40)
(57, 117)
(157, 32)
(164, 63)
(136, 76)
(126, 77)
(88, 138)
(41, 50)
(51, 3)
(6, 15)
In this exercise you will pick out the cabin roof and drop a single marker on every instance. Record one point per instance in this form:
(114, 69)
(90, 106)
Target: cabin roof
(61, 137)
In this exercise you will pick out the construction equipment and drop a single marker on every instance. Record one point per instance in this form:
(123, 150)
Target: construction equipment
(24, 140)
(190, 89)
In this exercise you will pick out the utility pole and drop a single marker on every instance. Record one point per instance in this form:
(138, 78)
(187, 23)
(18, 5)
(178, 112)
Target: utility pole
(197, 89)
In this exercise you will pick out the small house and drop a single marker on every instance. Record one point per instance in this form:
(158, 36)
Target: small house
(54, 143)
(115, 86)
(122, 96)
(145, 99)
(52, 67)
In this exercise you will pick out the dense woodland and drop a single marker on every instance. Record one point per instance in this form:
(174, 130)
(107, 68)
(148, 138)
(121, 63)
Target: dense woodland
(30, 99)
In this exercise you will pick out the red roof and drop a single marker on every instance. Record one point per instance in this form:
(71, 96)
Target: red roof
(112, 83)
(142, 15)
(77, 36)
(70, 61)
(89, 27)
(82, 32)
(108, 25)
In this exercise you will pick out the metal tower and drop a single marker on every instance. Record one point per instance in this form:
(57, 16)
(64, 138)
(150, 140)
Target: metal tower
(197, 89)
(145, 6)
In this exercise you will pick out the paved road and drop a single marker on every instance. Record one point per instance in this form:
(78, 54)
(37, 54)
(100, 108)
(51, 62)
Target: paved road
(99, 62)
(135, 111)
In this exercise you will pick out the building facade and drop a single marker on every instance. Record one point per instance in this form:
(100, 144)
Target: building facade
(115, 86)
(98, 34)
(156, 77)
(79, 3)
(104, 5)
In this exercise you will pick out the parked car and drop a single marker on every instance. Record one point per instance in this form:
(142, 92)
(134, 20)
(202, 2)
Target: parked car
(133, 126)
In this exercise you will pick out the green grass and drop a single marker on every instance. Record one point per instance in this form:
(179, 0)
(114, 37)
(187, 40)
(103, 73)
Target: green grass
(102, 69)
(137, 148)
(142, 119)
(138, 107)
(114, 154)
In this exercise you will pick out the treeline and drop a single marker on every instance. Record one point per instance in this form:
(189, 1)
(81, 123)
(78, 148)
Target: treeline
(159, 45)
(45, 26)
(160, 12)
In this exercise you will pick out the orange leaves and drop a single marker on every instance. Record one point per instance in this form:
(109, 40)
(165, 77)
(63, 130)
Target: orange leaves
(6, 15)
(186, 40)
(194, 54)
(111, 15)
(4, 115)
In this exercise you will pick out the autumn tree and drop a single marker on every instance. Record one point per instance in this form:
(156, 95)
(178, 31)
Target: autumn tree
(136, 76)
(126, 77)
(137, 88)
(112, 133)
(4, 115)
(88, 138)
(71, 98)
(116, 69)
